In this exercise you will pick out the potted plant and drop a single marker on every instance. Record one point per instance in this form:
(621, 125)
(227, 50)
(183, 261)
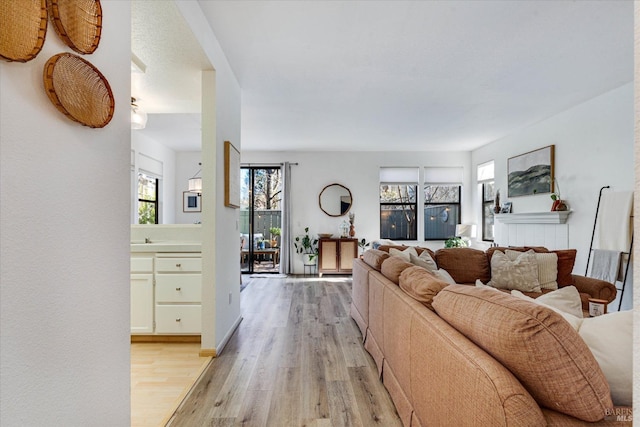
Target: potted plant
(455, 242)
(275, 231)
(362, 243)
(558, 203)
(307, 246)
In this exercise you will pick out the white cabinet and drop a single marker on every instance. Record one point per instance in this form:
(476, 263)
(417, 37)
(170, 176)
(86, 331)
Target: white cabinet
(142, 294)
(166, 293)
(178, 294)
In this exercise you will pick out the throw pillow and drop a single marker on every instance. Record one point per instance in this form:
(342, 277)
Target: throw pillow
(542, 350)
(566, 300)
(421, 285)
(520, 274)
(547, 268)
(444, 275)
(479, 284)
(566, 260)
(610, 339)
(392, 267)
(424, 260)
(404, 254)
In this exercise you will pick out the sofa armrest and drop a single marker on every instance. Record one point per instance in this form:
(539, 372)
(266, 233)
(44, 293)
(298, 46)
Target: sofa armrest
(595, 287)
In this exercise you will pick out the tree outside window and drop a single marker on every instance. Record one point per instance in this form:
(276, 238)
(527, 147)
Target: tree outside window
(147, 199)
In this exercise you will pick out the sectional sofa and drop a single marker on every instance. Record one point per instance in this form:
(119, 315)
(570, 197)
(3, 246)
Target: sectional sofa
(456, 355)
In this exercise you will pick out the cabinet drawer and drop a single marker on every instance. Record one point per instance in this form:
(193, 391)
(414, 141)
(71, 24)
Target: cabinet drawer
(178, 319)
(141, 265)
(176, 265)
(178, 287)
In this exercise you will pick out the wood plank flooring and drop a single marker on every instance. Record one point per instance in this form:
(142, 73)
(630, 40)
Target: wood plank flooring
(161, 376)
(295, 360)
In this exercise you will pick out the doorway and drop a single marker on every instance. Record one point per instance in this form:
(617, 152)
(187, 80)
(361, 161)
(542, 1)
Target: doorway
(260, 219)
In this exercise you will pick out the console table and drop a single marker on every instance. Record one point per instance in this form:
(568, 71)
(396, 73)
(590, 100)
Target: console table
(335, 256)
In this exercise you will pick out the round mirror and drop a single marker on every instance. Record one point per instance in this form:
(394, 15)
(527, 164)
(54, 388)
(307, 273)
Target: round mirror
(335, 200)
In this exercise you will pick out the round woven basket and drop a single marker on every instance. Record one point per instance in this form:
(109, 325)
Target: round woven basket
(79, 90)
(78, 23)
(23, 28)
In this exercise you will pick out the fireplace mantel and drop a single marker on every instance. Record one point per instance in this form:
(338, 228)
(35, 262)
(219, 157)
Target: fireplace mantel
(556, 217)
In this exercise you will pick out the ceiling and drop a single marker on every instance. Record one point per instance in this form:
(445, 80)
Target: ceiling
(390, 75)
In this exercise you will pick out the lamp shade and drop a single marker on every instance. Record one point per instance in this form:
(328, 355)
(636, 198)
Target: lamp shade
(466, 230)
(195, 185)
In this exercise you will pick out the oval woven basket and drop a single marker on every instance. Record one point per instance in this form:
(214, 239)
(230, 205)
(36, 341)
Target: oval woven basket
(79, 90)
(23, 29)
(78, 23)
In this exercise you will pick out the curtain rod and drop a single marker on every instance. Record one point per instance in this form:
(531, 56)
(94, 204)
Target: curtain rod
(253, 165)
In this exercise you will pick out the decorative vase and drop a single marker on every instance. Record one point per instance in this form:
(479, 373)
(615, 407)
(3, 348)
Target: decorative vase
(352, 231)
(559, 205)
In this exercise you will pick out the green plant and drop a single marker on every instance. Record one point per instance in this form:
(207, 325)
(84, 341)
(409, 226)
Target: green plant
(363, 243)
(275, 231)
(455, 242)
(305, 244)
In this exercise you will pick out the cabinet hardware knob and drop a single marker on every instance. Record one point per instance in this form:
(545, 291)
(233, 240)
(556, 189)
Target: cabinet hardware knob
(178, 289)
(178, 319)
(178, 265)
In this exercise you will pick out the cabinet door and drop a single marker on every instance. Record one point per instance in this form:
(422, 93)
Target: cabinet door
(328, 256)
(142, 303)
(348, 251)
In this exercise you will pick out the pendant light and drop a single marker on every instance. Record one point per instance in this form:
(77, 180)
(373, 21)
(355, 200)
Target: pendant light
(138, 116)
(195, 182)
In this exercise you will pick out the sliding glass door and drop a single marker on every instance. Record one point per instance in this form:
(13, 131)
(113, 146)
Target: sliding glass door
(260, 219)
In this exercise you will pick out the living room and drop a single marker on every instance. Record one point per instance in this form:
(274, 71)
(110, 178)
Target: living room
(61, 258)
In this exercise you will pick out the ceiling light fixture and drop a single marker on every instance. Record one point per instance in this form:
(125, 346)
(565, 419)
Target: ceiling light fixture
(138, 116)
(195, 182)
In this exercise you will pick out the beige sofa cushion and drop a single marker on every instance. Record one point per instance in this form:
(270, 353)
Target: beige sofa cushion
(547, 268)
(424, 260)
(392, 267)
(405, 254)
(374, 258)
(421, 285)
(520, 274)
(535, 343)
(465, 265)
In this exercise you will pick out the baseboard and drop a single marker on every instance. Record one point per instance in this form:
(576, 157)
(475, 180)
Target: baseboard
(227, 337)
(166, 338)
(207, 352)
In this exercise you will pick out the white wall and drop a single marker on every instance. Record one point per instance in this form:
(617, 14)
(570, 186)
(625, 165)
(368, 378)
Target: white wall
(186, 167)
(593, 148)
(142, 144)
(220, 122)
(358, 171)
(64, 259)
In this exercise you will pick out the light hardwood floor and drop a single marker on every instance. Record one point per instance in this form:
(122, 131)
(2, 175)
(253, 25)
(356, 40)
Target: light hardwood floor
(161, 375)
(295, 360)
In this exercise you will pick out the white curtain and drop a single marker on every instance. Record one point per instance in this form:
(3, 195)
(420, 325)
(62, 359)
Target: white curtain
(285, 240)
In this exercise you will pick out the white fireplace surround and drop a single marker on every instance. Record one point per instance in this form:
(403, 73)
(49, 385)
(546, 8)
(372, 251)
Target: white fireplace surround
(548, 229)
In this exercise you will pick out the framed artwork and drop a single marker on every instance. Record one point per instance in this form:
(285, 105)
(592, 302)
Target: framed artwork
(191, 202)
(531, 173)
(231, 176)
(506, 208)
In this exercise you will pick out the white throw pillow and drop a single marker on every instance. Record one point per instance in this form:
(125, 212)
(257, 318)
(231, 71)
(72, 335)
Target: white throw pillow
(424, 261)
(556, 306)
(547, 267)
(610, 339)
(520, 274)
(444, 275)
(404, 254)
(479, 284)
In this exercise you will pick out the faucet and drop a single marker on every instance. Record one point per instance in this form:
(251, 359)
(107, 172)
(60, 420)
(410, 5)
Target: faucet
(147, 240)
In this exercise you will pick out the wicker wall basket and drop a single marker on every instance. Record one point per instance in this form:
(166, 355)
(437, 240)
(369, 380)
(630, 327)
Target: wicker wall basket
(23, 28)
(78, 90)
(77, 22)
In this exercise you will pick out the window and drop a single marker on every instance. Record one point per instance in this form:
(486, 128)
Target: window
(442, 195)
(399, 203)
(398, 207)
(147, 199)
(488, 194)
(441, 210)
